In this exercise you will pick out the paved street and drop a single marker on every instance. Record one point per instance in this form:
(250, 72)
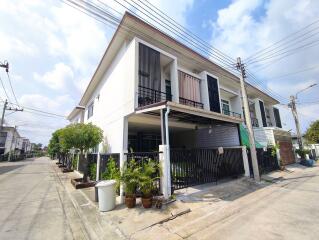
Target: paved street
(34, 204)
(287, 209)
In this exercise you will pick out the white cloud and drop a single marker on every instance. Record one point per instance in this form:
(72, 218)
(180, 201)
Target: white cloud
(247, 26)
(12, 46)
(57, 78)
(51, 43)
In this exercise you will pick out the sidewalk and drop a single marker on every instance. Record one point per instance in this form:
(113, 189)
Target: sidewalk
(121, 223)
(195, 208)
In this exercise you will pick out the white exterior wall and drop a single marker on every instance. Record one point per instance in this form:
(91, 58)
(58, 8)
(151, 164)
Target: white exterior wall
(114, 98)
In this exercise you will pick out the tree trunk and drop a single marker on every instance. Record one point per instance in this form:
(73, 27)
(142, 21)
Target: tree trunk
(86, 170)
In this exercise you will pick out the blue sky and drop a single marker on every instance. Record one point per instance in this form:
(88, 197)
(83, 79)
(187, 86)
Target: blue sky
(53, 51)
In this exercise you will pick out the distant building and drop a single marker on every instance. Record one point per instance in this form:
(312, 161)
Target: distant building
(10, 140)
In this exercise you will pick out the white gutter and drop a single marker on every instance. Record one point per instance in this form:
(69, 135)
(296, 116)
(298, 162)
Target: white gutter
(166, 125)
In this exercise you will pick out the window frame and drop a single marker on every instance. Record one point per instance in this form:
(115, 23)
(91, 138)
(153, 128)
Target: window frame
(90, 110)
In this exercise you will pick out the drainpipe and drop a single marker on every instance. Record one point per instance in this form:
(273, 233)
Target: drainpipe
(166, 125)
(167, 160)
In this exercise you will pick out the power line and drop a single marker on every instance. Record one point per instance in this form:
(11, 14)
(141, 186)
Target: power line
(186, 32)
(99, 9)
(286, 53)
(38, 110)
(173, 31)
(175, 23)
(271, 92)
(311, 102)
(4, 89)
(293, 73)
(96, 15)
(282, 40)
(12, 89)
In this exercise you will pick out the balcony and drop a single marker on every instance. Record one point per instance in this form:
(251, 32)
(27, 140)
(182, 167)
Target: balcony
(148, 96)
(191, 103)
(230, 113)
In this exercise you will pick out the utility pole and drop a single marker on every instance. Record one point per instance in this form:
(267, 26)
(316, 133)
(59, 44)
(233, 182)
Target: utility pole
(5, 65)
(3, 111)
(293, 107)
(253, 154)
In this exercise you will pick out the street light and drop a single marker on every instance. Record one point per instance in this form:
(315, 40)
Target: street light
(312, 85)
(293, 107)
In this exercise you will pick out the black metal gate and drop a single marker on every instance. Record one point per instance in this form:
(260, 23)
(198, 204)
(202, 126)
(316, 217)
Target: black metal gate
(105, 157)
(267, 161)
(191, 167)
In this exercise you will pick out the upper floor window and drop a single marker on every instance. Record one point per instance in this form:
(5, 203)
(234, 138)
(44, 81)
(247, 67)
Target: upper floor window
(225, 107)
(189, 90)
(268, 119)
(90, 110)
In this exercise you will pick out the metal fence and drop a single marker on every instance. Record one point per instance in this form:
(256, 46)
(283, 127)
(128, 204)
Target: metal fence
(104, 159)
(267, 161)
(18, 157)
(140, 158)
(191, 167)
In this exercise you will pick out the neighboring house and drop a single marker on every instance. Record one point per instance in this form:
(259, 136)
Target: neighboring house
(152, 90)
(268, 127)
(26, 145)
(10, 140)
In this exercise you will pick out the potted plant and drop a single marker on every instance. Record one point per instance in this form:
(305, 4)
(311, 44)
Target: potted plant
(146, 181)
(130, 179)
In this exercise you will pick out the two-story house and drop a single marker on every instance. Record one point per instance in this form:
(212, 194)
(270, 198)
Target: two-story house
(10, 140)
(150, 90)
(267, 126)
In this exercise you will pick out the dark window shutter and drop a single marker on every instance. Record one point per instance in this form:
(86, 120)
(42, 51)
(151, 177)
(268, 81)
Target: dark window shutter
(213, 94)
(277, 117)
(263, 115)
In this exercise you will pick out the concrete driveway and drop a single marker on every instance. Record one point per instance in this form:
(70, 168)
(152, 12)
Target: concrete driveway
(286, 209)
(34, 205)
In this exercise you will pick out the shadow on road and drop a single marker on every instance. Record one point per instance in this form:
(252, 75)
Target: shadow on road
(5, 169)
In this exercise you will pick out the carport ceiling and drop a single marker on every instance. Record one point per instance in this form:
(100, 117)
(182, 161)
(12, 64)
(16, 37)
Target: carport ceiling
(191, 118)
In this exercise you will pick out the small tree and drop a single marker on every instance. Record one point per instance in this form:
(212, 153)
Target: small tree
(83, 137)
(54, 147)
(312, 133)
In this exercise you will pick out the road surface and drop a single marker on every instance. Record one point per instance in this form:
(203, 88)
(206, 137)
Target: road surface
(34, 204)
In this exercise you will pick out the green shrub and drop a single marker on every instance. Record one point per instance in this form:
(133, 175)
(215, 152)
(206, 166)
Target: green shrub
(302, 152)
(93, 171)
(74, 162)
(148, 176)
(112, 172)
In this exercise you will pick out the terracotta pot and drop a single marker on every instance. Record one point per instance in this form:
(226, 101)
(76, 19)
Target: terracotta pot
(130, 201)
(147, 201)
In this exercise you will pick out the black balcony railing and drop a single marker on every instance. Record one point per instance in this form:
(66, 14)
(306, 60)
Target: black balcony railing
(230, 113)
(148, 96)
(191, 103)
(254, 122)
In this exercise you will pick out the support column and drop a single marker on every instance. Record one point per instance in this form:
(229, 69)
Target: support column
(123, 160)
(245, 160)
(166, 171)
(278, 155)
(163, 132)
(98, 163)
(123, 155)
